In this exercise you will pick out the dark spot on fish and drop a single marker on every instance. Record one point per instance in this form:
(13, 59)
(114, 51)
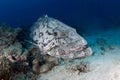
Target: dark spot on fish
(53, 43)
(34, 33)
(48, 32)
(36, 41)
(44, 44)
(48, 26)
(63, 43)
(55, 33)
(40, 34)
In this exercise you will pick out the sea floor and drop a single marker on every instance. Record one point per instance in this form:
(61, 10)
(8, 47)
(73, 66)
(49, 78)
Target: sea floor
(104, 63)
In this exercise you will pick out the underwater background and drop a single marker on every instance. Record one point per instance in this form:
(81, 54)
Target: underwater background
(22, 57)
(87, 14)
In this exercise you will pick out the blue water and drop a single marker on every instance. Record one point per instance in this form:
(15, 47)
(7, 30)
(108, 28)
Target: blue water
(85, 14)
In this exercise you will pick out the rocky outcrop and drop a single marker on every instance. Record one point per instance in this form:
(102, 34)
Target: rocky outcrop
(13, 57)
(10, 47)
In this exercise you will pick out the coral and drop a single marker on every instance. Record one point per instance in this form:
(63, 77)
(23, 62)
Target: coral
(81, 67)
(10, 46)
(13, 57)
(13, 50)
(8, 36)
(35, 53)
(59, 40)
(50, 62)
(27, 76)
(51, 59)
(6, 70)
(36, 66)
(46, 67)
(42, 63)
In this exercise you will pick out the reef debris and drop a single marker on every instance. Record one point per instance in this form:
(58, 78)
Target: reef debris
(79, 68)
(42, 63)
(10, 47)
(13, 56)
(5, 69)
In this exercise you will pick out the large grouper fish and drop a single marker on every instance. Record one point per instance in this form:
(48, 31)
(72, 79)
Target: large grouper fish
(58, 39)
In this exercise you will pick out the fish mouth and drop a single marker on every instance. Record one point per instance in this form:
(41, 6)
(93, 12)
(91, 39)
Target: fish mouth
(85, 46)
(78, 52)
(76, 49)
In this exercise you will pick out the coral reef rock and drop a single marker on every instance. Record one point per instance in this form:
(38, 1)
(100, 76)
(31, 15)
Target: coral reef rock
(7, 36)
(13, 56)
(79, 68)
(6, 71)
(42, 63)
(47, 67)
(10, 47)
(59, 40)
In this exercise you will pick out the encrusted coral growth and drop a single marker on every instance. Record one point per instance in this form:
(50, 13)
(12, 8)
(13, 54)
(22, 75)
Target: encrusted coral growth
(41, 63)
(5, 69)
(10, 46)
(7, 36)
(81, 67)
(18, 62)
(8, 69)
(13, 57)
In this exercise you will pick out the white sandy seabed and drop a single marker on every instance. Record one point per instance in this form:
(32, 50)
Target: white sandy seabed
(102, 67)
